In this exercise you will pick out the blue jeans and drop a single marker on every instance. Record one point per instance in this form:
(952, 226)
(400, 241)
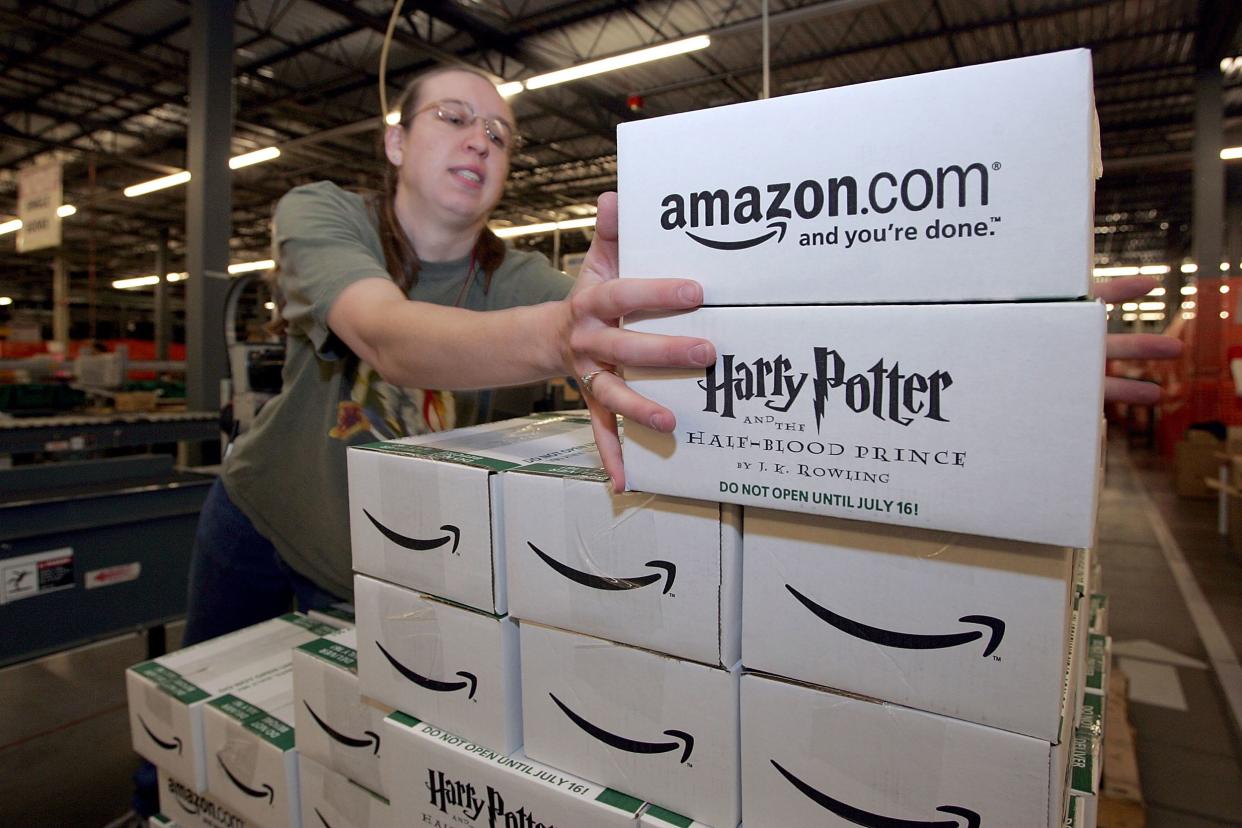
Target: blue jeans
(236, 576)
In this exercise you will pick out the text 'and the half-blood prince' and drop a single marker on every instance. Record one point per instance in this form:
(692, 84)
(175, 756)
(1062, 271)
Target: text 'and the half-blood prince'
(765, 211)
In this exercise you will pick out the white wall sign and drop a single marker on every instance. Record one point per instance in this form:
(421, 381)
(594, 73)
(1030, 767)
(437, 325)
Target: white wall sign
(39, 195)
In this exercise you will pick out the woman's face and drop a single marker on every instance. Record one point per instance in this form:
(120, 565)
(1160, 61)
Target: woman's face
(449, 172)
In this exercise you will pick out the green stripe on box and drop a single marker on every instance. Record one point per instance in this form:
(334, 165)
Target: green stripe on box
(332, 652)
(161, 819)
(463, 458)
(256, 720)
(669, 817)
(620, 801)
(171, 682)
(1071, 813)
(398, 448)
(1092, 715)
(404, 719)
(309, 624)
(1080, 763)
(1095, 662)
(575, 472)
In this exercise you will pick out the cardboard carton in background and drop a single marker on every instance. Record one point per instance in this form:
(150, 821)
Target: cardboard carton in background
(809, 753)
(425, 512)
(330, 800)
(920, 415)
(335, 727)
(939, 187)
(182, 806)
(656, 572)
(438, 778)
(935, 621)
(167, 695)
(455, 666)
(252, 766)
(661, 728)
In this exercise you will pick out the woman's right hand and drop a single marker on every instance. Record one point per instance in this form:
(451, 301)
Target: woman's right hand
(596, 342)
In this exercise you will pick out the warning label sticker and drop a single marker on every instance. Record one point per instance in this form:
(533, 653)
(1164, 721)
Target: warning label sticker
(31, 575)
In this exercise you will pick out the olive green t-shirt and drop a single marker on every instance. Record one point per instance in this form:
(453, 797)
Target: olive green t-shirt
(287, 474)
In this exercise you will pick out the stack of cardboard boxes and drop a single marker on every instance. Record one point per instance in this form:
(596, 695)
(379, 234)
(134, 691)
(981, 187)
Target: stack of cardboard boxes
(895, 297)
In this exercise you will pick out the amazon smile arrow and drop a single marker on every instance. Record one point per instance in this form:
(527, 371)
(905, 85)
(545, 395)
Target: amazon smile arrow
(603, 582)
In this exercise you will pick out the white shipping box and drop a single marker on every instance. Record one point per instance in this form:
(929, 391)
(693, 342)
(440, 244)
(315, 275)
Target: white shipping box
(444, 663)
(252, 766)
(334, 726)
(657, 727)
(425, 512)
(941, 622)
(965, 418)
(813, 757)
(942, 187)
(181, 805)
(167, 695)
(656, 572)
(440, 779)
(653, 816)
(330, 800)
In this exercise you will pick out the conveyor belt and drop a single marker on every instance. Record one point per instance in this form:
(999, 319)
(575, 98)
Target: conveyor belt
(83, 432)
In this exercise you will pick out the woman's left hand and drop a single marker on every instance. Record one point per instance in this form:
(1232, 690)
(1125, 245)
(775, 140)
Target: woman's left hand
(1133, 346)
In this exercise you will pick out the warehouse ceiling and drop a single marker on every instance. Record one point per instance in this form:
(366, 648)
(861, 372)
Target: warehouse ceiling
(101, 86)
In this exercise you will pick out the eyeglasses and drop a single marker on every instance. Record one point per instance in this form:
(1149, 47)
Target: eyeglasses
(461, 115)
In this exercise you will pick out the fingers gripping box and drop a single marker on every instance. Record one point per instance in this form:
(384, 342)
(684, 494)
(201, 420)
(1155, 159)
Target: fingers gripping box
(661, 728)
(656, 572)
(335, 727)
(167, 695)
(453, 665)
(425, 512)
(330, 800)
(941, 187)
(966, 418)
(931, 620)
(815, 757)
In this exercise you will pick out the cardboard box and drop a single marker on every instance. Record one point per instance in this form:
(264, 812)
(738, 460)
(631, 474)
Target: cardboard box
(252, 766)
(182, 806)
(875, 195)
(1096, 673)
(1085, 763)
(448, 664)
(1099, 614)
(167, 695)
(653, 816)
(813, 757)
(425, 512)
(931, 415)
(341, 614)
(335, 727)
(661, 728)
(160, 821)
(1195, 460)
(656, 572)
(331, 800)
(930, 620)
(442, 779)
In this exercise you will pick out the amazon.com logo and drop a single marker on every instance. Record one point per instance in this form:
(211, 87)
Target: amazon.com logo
(194, 804)
(763, 212)
(962, 817)
(372, 741)
(435, 685)
(682, 739)
(452, 535)
(666, 570)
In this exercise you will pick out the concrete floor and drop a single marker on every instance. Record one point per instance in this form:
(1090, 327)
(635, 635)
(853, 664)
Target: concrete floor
(64, 741)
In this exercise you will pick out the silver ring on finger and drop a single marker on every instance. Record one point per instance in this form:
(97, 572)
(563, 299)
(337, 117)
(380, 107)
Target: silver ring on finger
(588, 379)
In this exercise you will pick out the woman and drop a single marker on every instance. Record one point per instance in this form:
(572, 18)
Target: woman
(412, 291)
(382, 300)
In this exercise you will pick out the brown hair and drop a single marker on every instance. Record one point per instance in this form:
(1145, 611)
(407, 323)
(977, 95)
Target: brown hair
(400, 257)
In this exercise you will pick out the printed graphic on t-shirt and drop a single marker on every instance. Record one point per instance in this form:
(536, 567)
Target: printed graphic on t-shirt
(368, 404)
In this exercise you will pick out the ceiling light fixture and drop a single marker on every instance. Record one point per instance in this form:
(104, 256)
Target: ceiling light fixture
(597, 67)
(1231, 153)
(246, 267)
(543, 227)
(154, 184)
(10, 226)
(6, 300)
(256, 157)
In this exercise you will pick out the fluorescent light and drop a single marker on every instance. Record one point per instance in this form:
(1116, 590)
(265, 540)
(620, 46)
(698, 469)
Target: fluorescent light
(1224, 288)
(157, 184)
(10, 226)
(1130, 306)
(1129, 317)
(543, 227)
(1115, 271)
(508, 90)
(1150, 317)
(137, 281)
(178, 277)
(1188, 305)
(393, 118)
(1154, 270)
(66, 210)
(1230, 153)
(1188, 315)
(269, 306)
(1190, 268)
(1224, 267)
(1224, 314)
(6, 300)
(256, 157)
(1156, 292)
(1189, 290)
(1110, 307)
(1151, 306)
(246, 267)
(596, 67)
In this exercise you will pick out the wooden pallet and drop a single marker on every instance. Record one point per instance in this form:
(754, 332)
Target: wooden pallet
(1121, 795)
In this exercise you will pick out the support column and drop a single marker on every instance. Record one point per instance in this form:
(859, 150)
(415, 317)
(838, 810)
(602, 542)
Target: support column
(1207, 223)
(162, 314)
(209, 199)
(60, 303)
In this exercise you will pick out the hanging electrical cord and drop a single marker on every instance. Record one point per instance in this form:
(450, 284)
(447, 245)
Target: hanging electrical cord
(383, 67)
